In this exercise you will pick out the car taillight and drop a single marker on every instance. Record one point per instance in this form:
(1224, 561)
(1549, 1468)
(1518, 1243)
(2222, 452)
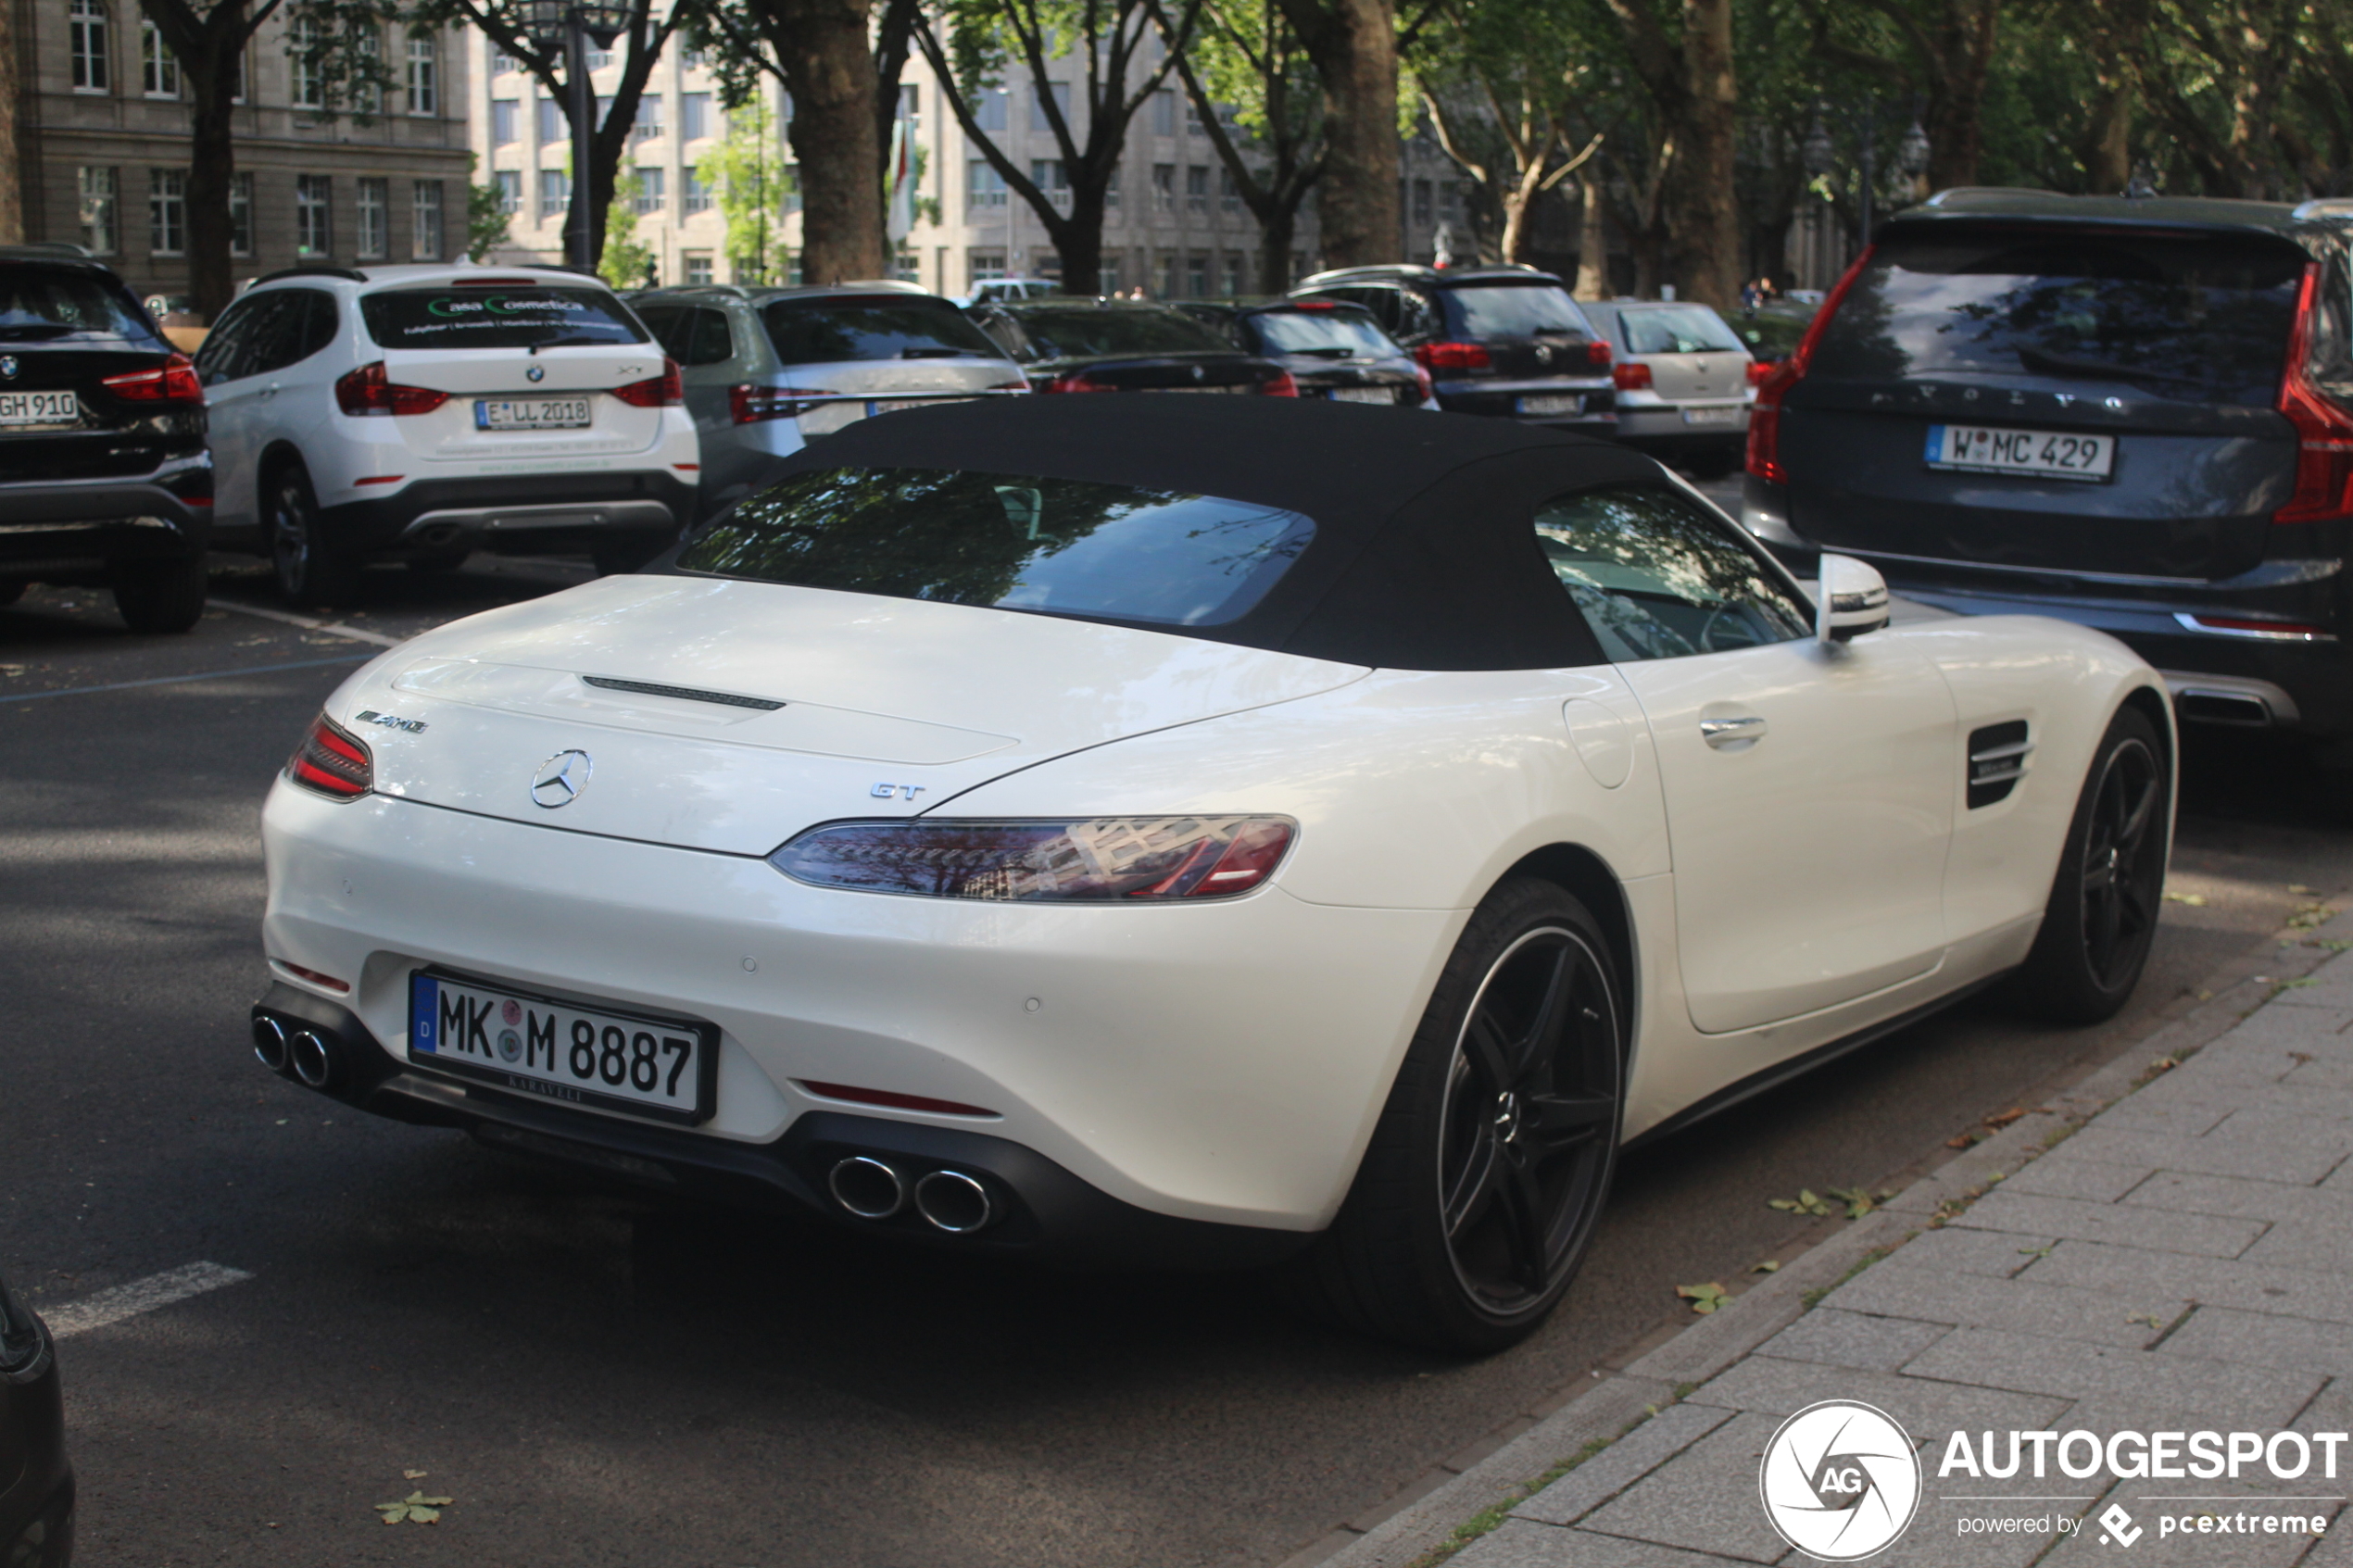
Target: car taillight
(2323, 431)
(1635, 377)
(174, 380)
(1282, 385)
(1452, 355)
(1597, 353)
(1022, 385)
(748, 405)
(1758, 371)
(1764, 418)
(1078, 380)
(1093, 860)
(664, 391)
(333, 760)
(369, 390)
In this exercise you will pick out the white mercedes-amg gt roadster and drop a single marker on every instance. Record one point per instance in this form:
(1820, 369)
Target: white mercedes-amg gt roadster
(1194, 831)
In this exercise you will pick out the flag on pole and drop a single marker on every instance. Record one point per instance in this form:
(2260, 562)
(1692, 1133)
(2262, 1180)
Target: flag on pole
(901, 185)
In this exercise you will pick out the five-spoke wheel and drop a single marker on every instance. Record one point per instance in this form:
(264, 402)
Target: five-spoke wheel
(2102, 910)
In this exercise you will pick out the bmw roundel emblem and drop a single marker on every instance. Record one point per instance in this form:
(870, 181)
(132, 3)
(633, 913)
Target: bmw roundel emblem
(8, 366)
(536, 372)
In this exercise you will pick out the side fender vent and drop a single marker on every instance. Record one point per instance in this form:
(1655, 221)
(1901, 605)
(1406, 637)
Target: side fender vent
(1997, 757)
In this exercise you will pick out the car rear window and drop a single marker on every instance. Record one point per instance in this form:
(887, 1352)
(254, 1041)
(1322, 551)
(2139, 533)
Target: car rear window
(1056, 546)
(1511, 310)
(1085, 331)
(52, 302)
(1675, 329)
(826, 332)
(1321, 332)
(2191, 318)
(475, 317)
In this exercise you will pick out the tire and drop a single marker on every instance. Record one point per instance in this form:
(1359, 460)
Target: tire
(2104, 899)
(1487, 1170)
(314, 570)
(164, 597)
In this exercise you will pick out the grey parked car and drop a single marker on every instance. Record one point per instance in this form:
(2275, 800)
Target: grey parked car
(769, 370)
(1684, 382)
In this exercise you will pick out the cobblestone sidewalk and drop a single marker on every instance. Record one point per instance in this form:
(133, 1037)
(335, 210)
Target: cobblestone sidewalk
(2180, 1261)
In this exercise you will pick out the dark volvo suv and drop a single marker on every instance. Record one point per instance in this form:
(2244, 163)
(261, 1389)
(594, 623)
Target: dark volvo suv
(2135, 414)
(104, 474)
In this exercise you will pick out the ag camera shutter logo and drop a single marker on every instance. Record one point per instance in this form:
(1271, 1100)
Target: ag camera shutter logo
(1840, 1480)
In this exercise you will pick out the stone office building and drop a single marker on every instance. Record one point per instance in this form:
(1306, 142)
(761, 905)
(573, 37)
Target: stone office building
(103, 135)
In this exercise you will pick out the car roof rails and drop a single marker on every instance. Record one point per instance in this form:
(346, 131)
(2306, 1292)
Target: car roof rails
(47, 250)
(318, 269)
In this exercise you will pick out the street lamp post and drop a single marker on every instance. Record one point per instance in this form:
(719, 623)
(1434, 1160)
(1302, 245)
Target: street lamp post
(571, 25)
(1821, 154)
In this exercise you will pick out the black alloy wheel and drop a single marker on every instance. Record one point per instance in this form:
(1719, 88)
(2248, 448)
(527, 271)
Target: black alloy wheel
(2103, 912)
(1489, 1168)
(313, 569)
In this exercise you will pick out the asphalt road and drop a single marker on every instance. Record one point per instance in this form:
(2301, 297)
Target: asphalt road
(596, 1379)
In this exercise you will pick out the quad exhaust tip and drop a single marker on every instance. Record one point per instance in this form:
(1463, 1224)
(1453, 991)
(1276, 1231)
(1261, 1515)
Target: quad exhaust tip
(312, 1062)
(270, 1043)
(954, 1203)
(867, 1188)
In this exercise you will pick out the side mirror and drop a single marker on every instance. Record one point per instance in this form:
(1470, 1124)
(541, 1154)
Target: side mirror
(1850, 599)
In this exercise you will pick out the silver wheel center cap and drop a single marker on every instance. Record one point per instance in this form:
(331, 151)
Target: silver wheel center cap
(1506, 1116)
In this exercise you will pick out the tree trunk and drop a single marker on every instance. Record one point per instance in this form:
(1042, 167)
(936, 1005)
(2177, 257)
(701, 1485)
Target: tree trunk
(2108, 150)
(1276, 229)
(830, 71)
(1354, 46)
(211, 174)
(1592, 234)
(1956, 125)
(1701, 209)
(1079, 243)
(11, 166)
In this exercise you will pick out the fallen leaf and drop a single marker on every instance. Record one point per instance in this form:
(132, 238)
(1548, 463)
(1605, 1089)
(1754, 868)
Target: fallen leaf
(1768, 1266)
(2195, 900)
(413, 1474)
(1705, 1298)
(2003, 1119)
(2150, 1318)
(2299, 888)
(2034, 1251)
(1858, 1202)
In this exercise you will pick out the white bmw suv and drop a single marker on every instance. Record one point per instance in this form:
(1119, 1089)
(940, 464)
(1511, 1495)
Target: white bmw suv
(420, 412)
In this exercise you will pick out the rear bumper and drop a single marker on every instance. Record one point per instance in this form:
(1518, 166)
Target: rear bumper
(1493, 400)
(545, 514)
(89, 524)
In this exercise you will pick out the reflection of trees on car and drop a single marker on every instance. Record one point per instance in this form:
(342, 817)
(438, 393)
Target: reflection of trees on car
(1655, 580)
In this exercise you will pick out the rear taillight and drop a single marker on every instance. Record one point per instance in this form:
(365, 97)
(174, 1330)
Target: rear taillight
(174, 380)
(2323, 431)
(1280, 386)
(1635, 377)
(664, 391)
(1764, 418)
(748, 405)
(1452, 357)
(1758, 371)
(1078, 380)
(1597, 353)
(369, 390)
(333, 760)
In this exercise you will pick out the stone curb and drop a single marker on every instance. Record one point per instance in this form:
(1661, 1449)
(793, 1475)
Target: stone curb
(1434, 1508)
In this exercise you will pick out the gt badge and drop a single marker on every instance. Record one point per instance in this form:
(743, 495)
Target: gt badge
(560, 779)
(888, 791)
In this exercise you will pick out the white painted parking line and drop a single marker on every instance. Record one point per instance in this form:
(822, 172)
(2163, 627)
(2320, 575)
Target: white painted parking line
(308, 622)
(139, 1295)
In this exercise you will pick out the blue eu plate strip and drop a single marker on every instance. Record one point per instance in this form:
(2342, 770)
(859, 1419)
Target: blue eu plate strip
(424, 1001)
(1935, 444)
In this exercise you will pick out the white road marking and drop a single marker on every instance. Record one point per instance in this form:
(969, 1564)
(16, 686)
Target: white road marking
(139, 1295)
(308, 622)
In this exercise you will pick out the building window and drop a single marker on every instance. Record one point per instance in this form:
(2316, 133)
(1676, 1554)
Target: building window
(1196, 188)
(988, 110)
(1048, 175)
(1421, 204)
(792, 189)
(237, 78)
(1449, 201)
(694, 192)
(907, 266)
(1107, 277)
(1164, 187)
(502, 122)
(375, 220)
(100, 235)
(983, 185)
(1229, 195)
(1192, 118)
(648, 122)
(551, 123)
(1164, 112)
(87, 37)
(650, 191)
(697, 265)
(312, 194)
(693, 59)
(1233, 275)
(368, 89)
(510, 191)
(168, 211)
(425, 211)
(424, 74)
(694, 115)
(599, 58)
(1197, 277)
(555, 193)
(1169, 264)
(1037, 95)
(302, 45)
(501, 64)
(241, 214)
(1111, 190)
(983, 265)
(158, 68)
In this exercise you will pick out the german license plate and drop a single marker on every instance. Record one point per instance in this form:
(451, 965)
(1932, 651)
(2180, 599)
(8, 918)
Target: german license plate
(2041, 453)
(1364, 395)
(531, 413)
(1730, 415)
(665, 1068)
(40, 408)
(893, 404)
(1554, 402)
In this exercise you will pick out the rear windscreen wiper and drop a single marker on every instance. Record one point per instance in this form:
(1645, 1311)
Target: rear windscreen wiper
(2097, 370)
(41, 333)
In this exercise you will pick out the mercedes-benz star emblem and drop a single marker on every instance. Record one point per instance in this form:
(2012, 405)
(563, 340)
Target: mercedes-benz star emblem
(8, 366)
(560, 779)
(536, 372)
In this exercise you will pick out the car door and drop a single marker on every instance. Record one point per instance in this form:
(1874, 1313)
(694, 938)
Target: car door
(297, 373)
(233, 396)
(1809, 788)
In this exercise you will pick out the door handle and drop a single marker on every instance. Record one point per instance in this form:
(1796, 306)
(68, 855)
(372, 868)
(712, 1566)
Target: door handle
(1724, 733)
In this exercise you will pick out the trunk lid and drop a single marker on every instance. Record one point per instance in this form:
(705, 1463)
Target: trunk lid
(866, 387)
(93, 435)
(728, 716)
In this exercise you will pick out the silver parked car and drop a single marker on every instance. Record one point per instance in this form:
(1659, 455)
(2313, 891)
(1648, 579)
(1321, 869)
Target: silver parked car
(769, 370)
(1685, 381)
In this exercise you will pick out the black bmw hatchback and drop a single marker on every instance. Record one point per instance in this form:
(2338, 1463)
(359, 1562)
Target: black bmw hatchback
(2135, 414)
(1077, 345)
(104, 475)
(36, 1486)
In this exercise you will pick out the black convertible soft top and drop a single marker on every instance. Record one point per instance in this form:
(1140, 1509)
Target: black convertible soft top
(1424, 555)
